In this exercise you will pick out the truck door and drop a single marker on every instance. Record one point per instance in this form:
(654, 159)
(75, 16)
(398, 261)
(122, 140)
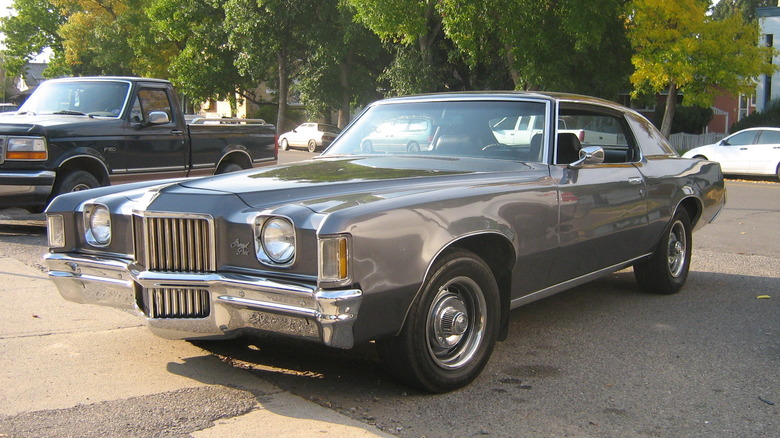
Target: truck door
(151, 149)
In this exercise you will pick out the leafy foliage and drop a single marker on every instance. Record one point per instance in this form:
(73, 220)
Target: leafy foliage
(677, 46)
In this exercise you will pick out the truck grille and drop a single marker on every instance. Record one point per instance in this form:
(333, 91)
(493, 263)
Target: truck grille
(177, 303)
(175, 243)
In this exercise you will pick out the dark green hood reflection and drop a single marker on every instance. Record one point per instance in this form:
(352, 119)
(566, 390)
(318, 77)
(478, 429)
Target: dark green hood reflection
(346, 170)
(352, 180)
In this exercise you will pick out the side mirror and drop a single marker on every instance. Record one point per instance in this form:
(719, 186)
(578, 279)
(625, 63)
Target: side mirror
(589, 155)
(158, 118)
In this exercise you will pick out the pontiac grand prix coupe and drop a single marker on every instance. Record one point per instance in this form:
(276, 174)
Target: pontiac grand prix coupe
(423, 252)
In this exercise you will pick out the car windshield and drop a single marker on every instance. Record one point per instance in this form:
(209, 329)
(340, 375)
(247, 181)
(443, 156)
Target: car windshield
(95, 98)
(510, 130)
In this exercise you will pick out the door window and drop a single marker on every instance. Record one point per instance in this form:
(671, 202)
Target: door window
(148, 101)
(741, 139)
(769, 137)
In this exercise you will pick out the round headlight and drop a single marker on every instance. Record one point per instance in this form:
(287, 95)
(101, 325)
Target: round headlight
(100, 225)
(278, 239)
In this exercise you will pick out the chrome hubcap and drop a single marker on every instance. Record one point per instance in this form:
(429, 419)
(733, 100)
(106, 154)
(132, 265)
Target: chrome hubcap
(677, 249)
(456, 323)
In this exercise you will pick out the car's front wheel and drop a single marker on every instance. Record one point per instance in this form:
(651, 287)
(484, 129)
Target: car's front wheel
(666, 270)
(451, 329)
(284, 144)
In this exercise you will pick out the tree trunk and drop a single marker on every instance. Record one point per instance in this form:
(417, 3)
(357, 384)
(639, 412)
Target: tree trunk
(671, 105)
(510, 60)
(345, 71)
(281, 115)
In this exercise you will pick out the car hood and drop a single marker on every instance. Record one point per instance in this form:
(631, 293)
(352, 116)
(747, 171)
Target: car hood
(327, 184)
(49, 123)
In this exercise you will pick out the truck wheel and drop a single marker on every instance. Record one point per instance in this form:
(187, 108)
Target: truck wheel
(666, 270)
(284, 145)
(229, 167)
(75, 181)
(311, 146)
(451, 328)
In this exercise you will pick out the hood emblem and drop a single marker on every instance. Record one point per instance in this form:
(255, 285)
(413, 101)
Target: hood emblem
(241, 248)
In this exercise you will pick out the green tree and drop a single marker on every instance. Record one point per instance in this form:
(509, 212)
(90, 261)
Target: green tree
(270, 35)
(414, 25)
(33, 28)
(678, 47)
(343, 61)
(191, 42)
(727, 8)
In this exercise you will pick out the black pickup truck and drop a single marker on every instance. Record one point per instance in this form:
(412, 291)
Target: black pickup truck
(78, 133)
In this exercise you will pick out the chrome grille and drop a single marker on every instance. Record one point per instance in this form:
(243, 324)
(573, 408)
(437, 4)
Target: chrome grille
(177, 244)
(177, 303)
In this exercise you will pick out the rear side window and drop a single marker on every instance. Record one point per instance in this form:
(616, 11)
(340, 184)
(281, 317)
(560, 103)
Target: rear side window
(769, 137)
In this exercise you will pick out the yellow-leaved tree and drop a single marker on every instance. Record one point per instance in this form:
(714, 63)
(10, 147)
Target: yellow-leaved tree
(679, 47)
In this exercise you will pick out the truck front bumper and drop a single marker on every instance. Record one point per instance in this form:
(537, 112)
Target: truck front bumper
(25, 188)
(206, 305)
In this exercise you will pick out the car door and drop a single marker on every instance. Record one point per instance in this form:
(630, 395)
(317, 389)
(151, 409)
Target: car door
(151, 150)
(765, 154)
(603, 207)
(733, 153)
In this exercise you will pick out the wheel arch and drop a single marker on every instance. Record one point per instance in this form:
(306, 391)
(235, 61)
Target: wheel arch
(238, 156)
(693, 207)
(497, 251)
(88, 163)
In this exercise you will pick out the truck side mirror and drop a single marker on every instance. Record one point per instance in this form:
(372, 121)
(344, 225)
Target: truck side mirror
(158, 118)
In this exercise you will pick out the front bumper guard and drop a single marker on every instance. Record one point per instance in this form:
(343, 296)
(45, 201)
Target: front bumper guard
(238, 303)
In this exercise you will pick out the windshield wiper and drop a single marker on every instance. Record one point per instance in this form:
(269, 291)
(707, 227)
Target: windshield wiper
(70, 113)
(21, 113)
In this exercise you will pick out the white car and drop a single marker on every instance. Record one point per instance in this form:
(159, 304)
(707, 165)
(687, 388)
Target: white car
(312, 136)
(752, 151)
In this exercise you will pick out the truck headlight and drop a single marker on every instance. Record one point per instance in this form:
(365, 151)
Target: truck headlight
(334, 259)
(26, 148)
(274, 240)
(97, 224)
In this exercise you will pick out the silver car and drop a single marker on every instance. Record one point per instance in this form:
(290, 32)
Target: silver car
(424, 253)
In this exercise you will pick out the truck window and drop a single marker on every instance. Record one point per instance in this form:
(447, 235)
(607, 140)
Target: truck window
(149, 100)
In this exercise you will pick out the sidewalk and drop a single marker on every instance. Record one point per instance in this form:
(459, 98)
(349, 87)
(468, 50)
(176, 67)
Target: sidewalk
(91, 369)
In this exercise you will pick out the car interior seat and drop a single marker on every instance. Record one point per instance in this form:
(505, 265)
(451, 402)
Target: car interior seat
(568, 148)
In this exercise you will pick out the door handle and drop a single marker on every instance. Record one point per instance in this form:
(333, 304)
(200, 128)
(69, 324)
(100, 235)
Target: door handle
(743, 149)
(635, 180)
(177, 132)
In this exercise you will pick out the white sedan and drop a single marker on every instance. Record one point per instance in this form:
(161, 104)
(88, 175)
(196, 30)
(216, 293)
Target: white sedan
(752, 151)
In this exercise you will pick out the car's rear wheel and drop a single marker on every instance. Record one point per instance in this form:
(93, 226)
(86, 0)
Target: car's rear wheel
(666, 270)
(366, 147)
(284, 145)
(778, 171)
(312, 146)
(451, 328)
(75, 181)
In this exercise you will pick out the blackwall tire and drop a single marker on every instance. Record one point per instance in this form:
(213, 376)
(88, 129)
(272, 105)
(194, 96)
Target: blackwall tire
(666, 270)
(75, 181)
(451, 328)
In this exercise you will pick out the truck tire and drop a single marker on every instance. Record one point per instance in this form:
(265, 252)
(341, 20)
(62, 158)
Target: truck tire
(229, 167)
(75, 181)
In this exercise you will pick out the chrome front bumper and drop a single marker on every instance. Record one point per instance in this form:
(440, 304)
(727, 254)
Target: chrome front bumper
(237, 302)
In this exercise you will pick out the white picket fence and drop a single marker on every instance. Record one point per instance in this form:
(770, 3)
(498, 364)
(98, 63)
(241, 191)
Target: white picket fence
(683, 142)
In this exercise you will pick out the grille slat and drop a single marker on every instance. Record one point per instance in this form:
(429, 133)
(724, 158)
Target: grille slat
(176, 244)
(178, 303)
